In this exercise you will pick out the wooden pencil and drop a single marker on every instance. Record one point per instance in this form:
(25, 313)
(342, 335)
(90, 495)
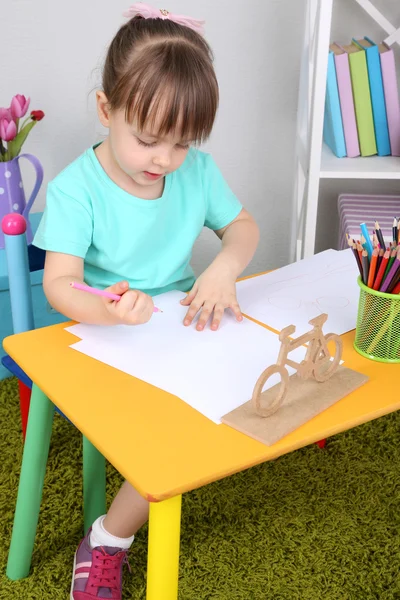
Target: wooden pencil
(394, 229)
(382, 268)
(359, 250)
(358, 261)
(391, 273)
(365, 266)
(394, 282)
(372, 268)
(391, 260)
(380, 256)
(379, 234)
(363, 242)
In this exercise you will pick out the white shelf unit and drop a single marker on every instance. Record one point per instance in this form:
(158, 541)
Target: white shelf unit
(368, 167)
(314, 160)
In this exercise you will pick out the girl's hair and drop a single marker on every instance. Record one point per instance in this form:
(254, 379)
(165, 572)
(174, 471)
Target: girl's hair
(158, 69)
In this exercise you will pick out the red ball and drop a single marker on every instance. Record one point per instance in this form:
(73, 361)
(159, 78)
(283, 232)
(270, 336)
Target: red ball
(13, 224)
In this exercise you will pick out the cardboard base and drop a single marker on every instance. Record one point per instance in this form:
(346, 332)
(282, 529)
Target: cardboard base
(304, 400)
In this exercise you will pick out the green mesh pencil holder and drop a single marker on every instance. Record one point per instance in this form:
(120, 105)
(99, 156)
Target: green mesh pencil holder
(378, 325)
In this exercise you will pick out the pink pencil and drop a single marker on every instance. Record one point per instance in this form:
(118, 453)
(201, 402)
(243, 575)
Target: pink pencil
(97, 292)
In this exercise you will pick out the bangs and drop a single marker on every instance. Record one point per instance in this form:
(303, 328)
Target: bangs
(173, 91)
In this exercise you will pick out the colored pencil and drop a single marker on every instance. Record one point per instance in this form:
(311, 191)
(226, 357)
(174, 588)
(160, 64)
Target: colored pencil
(379, 234)
(379, 275)
(396, 289)
(87, 288)
(363, 243)
(380, 256)
(392, 272)
(359, 250)
(389, 265)
(358, 261)
(394, 282)
(394, 229)
(365, 266)
(368, 244)
(372, 268)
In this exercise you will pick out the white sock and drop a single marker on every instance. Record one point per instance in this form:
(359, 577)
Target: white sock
(100, 537)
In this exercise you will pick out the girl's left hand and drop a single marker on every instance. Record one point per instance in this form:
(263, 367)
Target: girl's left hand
(213, 292)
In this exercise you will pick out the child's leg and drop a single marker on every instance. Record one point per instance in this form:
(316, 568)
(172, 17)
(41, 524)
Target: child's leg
(128, 512)
(101, 554)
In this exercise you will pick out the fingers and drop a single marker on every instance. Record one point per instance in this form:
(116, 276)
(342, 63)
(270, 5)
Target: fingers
(135, 307)
(192, 312)
(207, 309)
(143, 309)
(190, 297)
(217, 318)
(128, 301)
(205, 315)
(234, 306)
(118, 288)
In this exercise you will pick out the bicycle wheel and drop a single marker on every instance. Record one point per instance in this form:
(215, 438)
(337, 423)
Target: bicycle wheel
(326, 365)
(282, 387)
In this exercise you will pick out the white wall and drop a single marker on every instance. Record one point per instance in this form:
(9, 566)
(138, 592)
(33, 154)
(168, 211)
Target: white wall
(52, 51)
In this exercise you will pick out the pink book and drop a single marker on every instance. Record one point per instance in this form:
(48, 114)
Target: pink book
(346, 99)
(391, 96)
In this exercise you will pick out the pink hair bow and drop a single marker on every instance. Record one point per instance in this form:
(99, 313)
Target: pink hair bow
(148, 12)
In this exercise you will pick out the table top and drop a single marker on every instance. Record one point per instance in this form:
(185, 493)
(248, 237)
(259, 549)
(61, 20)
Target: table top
(157, 442)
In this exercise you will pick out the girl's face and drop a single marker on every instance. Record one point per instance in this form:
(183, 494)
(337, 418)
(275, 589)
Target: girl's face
(138, 160)
(143, 156)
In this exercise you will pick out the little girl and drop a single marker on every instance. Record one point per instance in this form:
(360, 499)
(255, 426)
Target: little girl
(125, 215)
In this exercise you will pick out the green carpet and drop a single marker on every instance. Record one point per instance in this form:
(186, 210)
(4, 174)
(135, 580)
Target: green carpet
(313, 525)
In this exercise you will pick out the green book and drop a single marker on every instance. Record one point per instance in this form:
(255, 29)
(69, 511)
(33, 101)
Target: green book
(362, 99)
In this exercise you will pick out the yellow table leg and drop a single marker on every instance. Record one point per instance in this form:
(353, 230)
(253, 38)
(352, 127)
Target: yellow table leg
(163, 551)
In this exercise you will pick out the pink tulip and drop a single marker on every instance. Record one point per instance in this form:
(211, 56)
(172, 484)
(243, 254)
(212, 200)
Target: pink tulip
(19, 106)
(8, 129)
(5, 113)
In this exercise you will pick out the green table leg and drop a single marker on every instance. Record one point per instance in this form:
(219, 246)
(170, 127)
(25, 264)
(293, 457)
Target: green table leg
(163, 552)
(94, 483)
(30, 488)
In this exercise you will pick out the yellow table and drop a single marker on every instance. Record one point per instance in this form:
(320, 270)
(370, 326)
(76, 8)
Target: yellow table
(161, 445)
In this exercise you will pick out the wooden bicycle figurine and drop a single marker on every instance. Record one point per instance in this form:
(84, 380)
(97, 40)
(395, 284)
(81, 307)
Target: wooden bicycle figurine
(317, 364)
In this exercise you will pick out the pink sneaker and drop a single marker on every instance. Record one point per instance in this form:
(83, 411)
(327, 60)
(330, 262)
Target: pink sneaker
(98, 572)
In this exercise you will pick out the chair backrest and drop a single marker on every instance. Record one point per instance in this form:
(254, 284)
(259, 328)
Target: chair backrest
(14, 228)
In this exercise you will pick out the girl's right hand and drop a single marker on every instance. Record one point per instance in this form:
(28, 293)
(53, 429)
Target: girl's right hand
(134, 308)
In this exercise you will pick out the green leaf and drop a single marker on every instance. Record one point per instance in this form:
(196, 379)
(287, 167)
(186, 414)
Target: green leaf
(14, 147)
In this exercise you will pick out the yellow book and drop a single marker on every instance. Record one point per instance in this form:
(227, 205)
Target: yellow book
(362, 99)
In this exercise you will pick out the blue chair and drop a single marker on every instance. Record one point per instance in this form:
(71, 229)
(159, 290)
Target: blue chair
(14, 228)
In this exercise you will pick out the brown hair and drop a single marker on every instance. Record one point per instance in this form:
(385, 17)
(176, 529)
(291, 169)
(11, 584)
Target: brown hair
(156, 68)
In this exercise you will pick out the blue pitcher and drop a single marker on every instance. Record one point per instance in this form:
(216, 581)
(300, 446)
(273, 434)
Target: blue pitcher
(12, 196)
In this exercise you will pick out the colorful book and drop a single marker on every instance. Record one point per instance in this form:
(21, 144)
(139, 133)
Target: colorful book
(377, 95)
(391, 96)
(333, 126)
(346, 99)
(362, 99)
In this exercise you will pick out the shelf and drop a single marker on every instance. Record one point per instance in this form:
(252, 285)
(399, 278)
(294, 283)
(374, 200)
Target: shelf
(368, 167)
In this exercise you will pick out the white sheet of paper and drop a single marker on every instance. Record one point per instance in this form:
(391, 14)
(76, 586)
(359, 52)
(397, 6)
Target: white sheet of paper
(213, 371)
(324, 283)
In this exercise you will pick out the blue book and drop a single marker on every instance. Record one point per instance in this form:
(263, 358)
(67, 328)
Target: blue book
(333, 125)
(377, 95)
